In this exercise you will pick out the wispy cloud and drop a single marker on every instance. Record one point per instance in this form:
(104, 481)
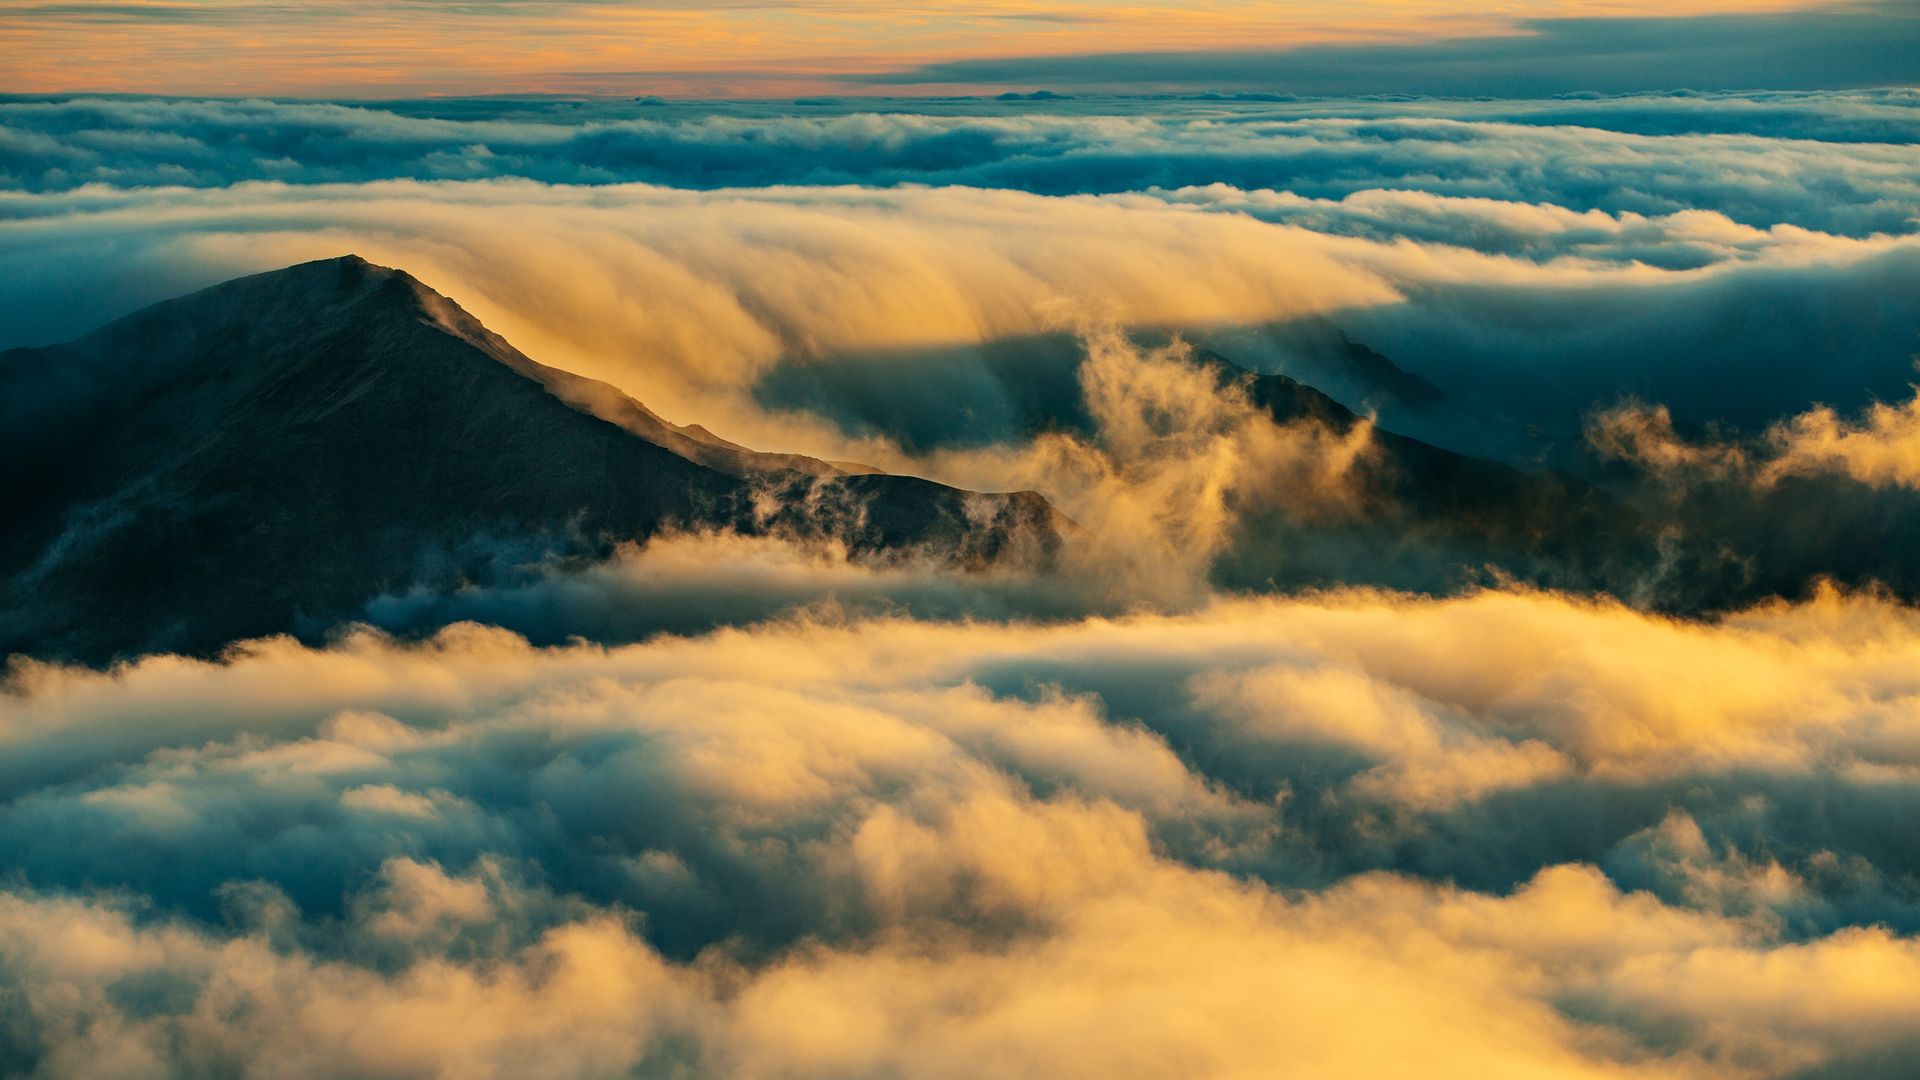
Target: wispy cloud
(732, 49)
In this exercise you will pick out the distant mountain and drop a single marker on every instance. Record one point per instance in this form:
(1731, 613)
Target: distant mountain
(1428, 515)
(271, 453)
(1434, 519)
(1319, 352)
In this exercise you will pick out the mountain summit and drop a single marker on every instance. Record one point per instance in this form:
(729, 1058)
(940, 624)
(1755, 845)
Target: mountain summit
(271, 453)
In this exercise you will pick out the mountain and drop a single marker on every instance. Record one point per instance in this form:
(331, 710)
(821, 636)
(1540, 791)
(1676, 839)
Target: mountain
(1319, 352)
(1431, 518)
(277, 453)
(271, 453)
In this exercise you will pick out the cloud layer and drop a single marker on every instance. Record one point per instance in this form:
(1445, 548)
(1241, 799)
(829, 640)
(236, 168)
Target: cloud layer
(725, 806)
(822, 847)
(1839, 162)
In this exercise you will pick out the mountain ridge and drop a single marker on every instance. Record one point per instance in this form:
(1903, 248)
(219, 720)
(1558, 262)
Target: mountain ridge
(268, 454)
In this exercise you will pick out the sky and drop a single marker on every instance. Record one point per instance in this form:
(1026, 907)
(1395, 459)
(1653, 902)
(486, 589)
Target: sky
(1273, 764)
(355, 49)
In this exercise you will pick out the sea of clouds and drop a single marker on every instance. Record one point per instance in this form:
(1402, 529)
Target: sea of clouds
(734, 807)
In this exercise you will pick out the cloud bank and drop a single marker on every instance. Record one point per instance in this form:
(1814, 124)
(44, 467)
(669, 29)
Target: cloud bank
(730, 806)
(822, 847)
(1839, 162)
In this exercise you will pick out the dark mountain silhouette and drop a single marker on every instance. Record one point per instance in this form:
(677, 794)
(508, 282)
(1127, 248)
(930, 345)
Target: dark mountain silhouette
(1431, 518)
(269, 454)
(1319, 352)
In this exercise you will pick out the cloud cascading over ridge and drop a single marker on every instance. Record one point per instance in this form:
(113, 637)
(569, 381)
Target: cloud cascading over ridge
(1756, 204)
(784, 316)
(699, 296)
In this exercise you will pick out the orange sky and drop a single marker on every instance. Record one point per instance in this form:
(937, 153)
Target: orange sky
(719, 49)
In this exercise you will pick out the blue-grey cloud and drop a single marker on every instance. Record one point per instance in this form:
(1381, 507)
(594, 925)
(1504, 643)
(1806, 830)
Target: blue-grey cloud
(1860, 45)
(1840, 163)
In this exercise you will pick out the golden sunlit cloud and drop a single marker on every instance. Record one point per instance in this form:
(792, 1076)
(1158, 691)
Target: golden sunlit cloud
(982, 881)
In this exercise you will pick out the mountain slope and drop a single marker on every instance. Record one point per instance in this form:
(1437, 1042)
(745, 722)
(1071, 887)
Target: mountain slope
(1432, 517)
(270, 453)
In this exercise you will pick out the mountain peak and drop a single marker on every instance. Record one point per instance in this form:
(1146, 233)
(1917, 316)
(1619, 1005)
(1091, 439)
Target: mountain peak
(350, 266)
(346, 273)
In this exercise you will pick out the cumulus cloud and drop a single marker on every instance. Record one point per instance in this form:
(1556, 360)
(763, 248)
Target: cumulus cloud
(1464, 983)
(830, 845)
(1175, 467)
(1879, 449)
(1882, 449)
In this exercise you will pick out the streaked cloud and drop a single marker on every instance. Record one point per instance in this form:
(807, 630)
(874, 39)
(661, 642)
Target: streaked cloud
(1833, 162)
(726, 50)
(1624, 51)
(1454, 289)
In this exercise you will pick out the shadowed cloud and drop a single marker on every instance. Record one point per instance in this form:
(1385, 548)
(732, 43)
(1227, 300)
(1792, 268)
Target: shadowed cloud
(1860, 45)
